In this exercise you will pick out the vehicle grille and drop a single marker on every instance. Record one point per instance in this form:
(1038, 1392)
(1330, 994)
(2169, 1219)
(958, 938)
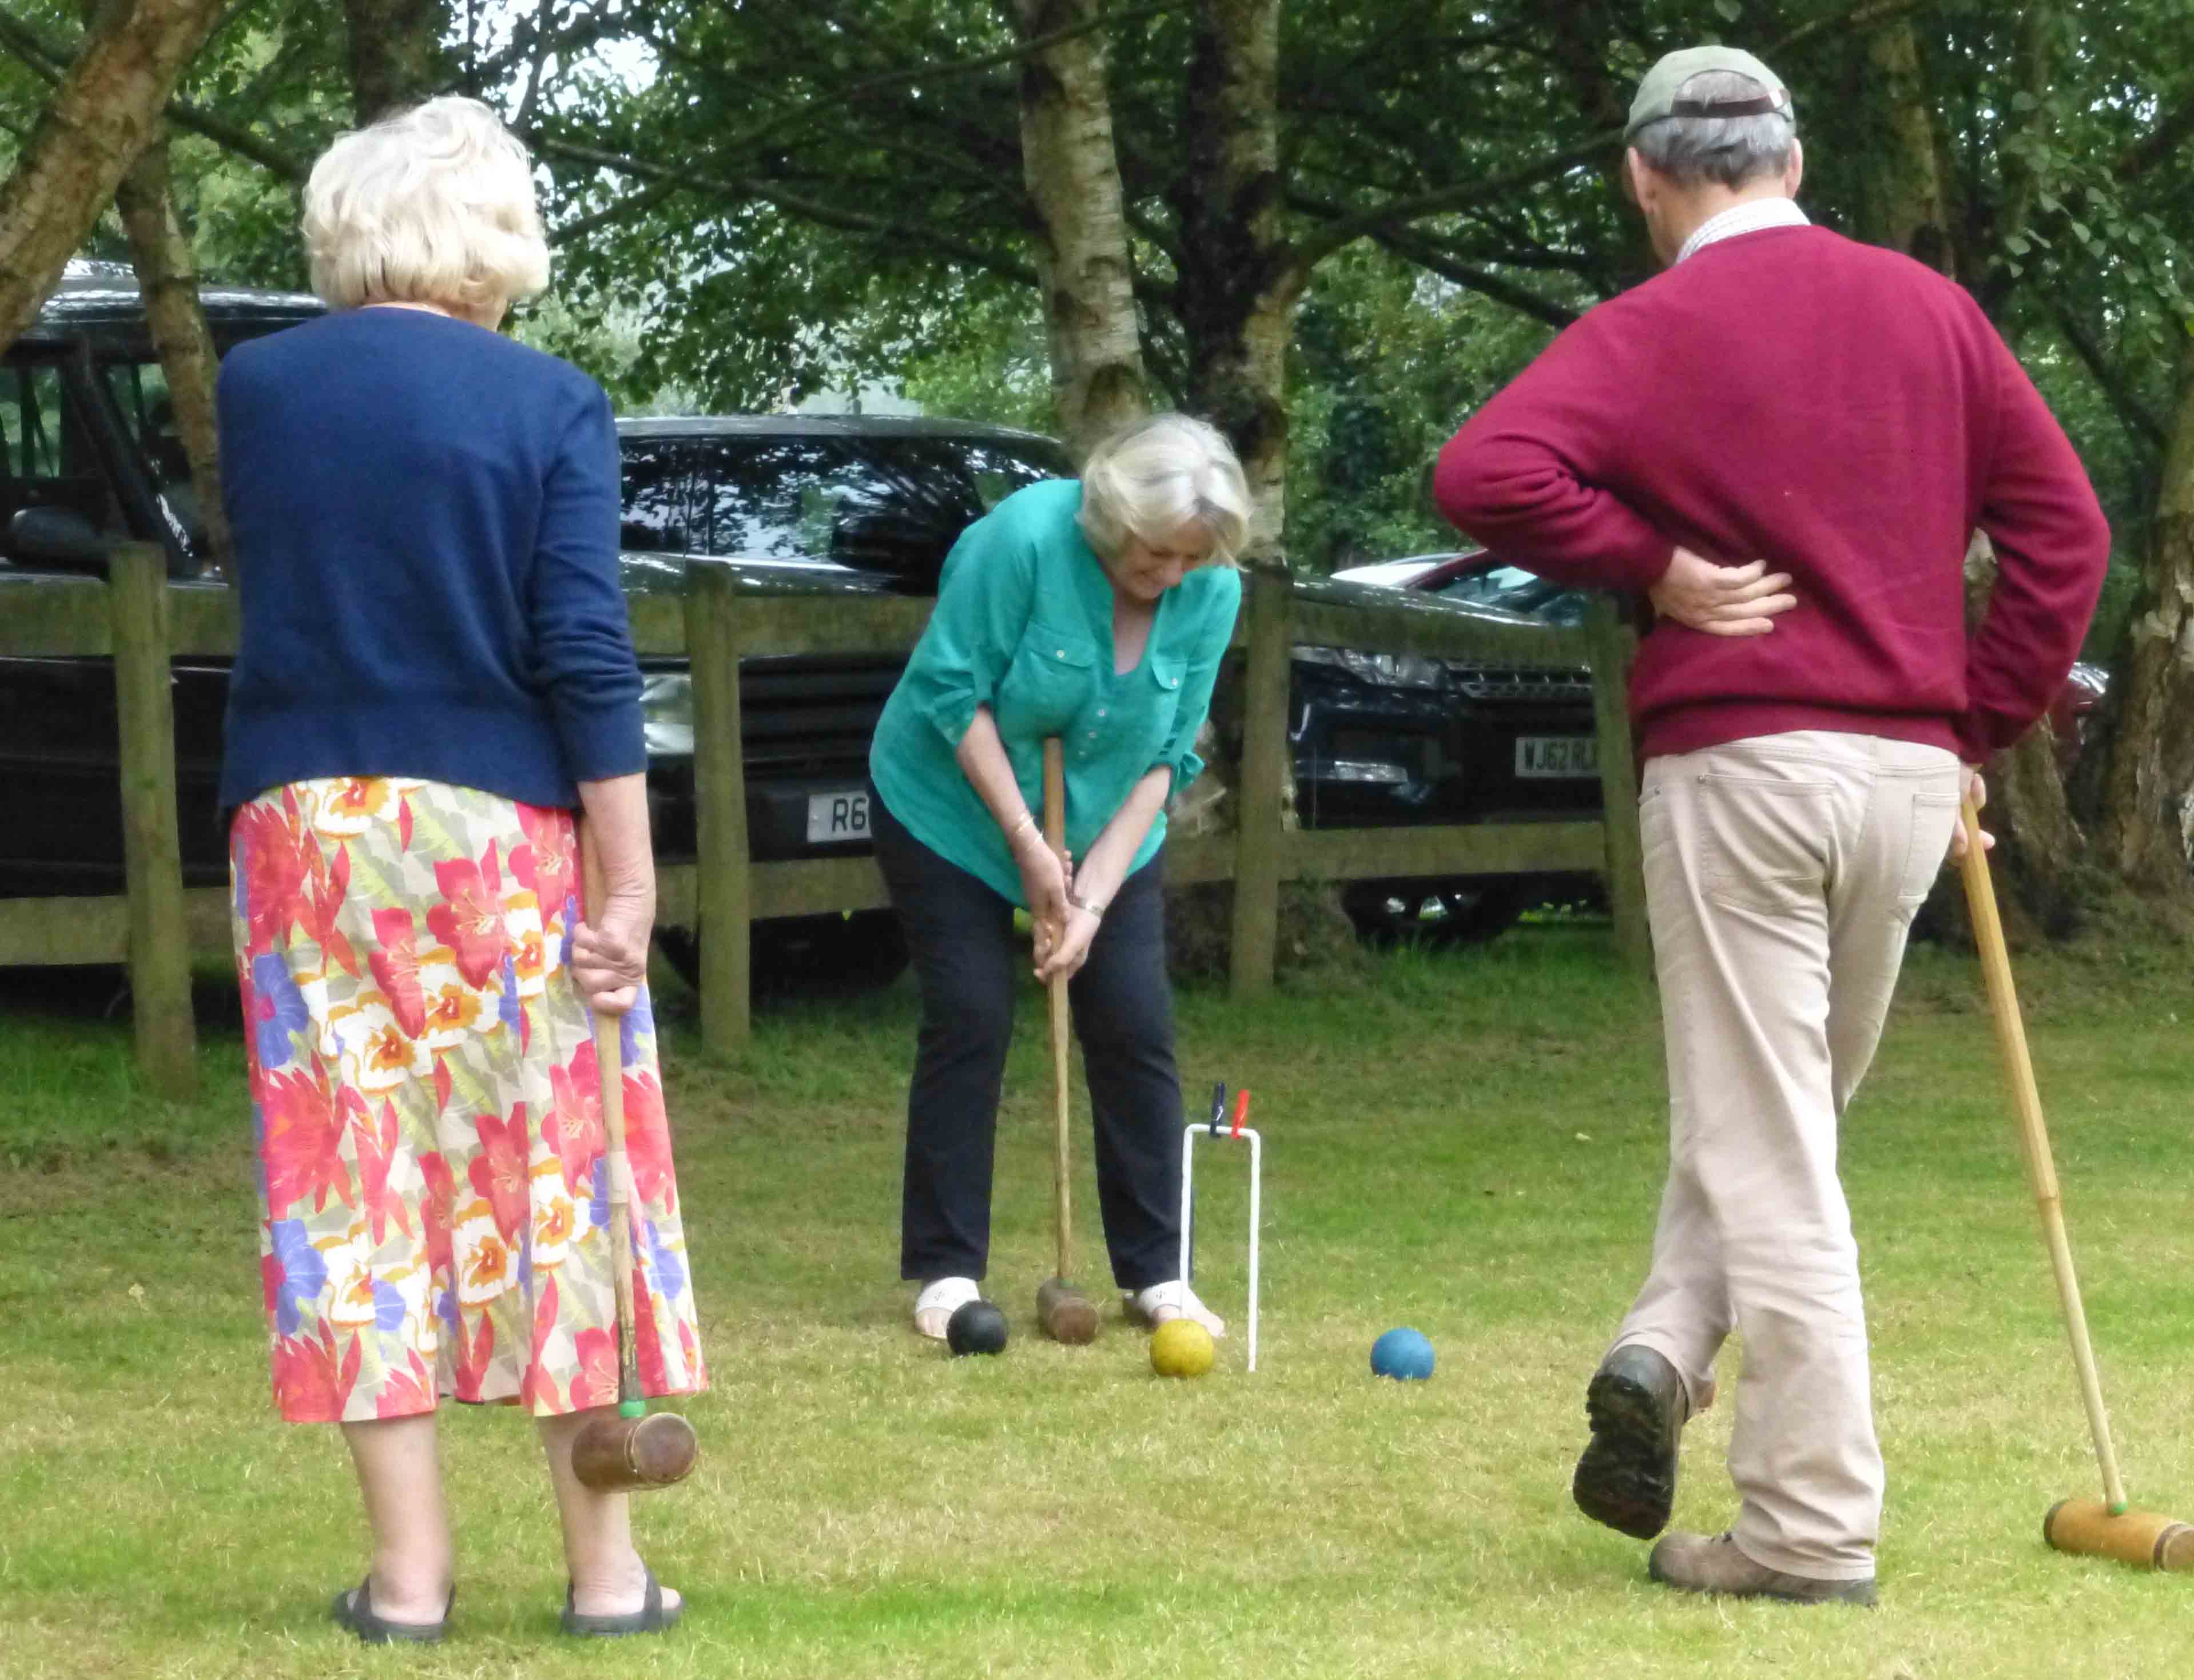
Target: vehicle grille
(803, 715)
(1483, 682)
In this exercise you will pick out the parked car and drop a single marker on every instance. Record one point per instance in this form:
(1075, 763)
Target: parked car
(1392, 573)
(1398, 739)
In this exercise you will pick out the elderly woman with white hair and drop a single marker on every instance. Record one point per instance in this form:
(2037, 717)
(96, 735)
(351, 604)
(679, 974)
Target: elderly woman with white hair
(434, 673)
(1096, 610)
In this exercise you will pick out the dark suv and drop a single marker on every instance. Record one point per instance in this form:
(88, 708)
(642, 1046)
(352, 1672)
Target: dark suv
(1396, 740)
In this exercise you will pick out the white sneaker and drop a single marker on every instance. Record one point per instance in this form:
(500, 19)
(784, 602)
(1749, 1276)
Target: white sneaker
(1162, 1301)
(934, 1307)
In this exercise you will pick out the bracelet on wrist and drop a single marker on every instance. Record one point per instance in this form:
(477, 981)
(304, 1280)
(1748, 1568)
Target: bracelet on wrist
(1081, 903)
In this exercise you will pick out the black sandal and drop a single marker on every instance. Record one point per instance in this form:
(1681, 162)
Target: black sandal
(652, 1616)
(354, 1609)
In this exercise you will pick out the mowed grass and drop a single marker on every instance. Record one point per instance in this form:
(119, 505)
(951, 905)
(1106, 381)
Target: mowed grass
(1471, 1144)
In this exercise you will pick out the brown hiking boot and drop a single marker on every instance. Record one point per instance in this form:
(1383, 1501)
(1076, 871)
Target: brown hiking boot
(1712, 1564)
(1627, 1478)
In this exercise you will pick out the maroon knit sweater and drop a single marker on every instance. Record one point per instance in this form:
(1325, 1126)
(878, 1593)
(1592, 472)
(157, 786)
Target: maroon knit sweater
(1847, 416)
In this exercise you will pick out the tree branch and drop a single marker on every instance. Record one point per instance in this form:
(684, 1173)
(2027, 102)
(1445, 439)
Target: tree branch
(741, 189)
(1858, 17)
(833, 100)
(48, 61)
(617, 210)
(2133, 414)
(1396, 213)
(543, 45)
(1519, 298)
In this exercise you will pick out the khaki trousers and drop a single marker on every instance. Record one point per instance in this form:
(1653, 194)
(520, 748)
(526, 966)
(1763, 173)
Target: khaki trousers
(1782, 873)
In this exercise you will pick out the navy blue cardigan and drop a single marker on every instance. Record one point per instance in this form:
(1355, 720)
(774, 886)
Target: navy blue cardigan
(426, 525)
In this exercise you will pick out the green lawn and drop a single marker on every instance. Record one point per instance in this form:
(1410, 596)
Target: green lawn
(1471, 1144)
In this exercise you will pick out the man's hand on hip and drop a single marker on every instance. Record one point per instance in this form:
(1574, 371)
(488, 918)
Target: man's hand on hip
(1721, 600)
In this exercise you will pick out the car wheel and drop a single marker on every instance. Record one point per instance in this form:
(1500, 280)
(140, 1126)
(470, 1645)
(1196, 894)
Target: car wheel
(805, 955)
(1432, 913)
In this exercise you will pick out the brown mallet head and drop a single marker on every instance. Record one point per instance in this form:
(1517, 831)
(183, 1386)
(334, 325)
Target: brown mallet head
(2140, 1538)
(1065, 1312)
(623, 1454)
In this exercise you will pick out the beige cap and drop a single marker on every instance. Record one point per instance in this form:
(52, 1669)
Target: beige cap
(1656, 95)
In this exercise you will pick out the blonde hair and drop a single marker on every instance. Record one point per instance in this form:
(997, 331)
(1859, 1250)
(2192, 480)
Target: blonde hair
(434, 205)
(1152, 477)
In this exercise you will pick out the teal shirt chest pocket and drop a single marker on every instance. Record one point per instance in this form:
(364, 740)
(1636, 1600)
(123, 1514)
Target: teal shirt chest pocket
(1054, 678)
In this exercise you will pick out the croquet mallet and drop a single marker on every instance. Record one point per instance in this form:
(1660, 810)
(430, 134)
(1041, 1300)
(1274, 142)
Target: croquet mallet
(1064, 1312)
(636, 1449)
(2104, 1527)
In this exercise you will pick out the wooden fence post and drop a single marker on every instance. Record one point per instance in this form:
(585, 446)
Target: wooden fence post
(144, 714)
(1259, 831)
(1614, 645)
(724, 892)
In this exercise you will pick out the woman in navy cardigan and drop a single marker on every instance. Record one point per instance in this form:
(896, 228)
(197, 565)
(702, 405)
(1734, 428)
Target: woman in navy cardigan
(434, 675)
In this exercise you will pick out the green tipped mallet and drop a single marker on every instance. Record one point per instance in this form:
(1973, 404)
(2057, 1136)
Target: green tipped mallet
(635, 1450)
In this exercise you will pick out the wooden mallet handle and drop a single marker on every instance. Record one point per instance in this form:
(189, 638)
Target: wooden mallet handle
(2034, 1139)
(609, 1059)
(1055, 836)
(1065, 1313)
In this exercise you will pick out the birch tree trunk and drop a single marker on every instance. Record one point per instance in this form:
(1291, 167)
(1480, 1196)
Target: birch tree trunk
(101, 117)
(2147, 820)
(168, 280)
(1083, 259)
(1909, 208)
(1239, 284)
(396, 52)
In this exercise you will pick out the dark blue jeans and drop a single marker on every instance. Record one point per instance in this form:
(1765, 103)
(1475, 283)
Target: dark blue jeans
(972, 967)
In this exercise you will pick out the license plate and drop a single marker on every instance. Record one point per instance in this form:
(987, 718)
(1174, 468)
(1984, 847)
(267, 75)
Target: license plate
(837, 817)
(1545, 756)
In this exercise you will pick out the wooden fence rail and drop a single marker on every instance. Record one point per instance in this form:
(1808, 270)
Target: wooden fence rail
(142, 621)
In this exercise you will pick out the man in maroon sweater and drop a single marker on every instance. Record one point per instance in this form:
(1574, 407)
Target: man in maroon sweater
(1851, 416)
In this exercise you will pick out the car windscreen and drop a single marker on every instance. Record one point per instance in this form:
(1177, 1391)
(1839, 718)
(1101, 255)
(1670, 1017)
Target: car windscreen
(1516, 590)
(889, 505)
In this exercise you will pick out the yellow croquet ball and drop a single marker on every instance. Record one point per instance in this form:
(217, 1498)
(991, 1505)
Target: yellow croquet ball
(1180, 1347)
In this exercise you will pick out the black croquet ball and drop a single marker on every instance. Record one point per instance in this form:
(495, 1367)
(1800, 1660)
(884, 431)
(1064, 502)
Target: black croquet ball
(978, 1327)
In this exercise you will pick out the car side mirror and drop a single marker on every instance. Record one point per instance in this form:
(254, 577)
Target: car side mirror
(61, 538)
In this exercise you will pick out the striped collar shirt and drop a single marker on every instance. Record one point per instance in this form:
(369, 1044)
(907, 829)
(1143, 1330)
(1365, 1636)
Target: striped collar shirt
(1746, 218)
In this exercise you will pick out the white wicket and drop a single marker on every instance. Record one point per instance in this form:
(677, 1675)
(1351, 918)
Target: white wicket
(1256, 1198)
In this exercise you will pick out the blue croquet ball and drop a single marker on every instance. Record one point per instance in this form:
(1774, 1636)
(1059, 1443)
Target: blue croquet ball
(1403, 1354)
(978, 1327)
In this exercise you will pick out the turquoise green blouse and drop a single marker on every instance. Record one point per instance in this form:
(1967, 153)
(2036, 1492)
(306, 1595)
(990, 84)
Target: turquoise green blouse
(1023, 625)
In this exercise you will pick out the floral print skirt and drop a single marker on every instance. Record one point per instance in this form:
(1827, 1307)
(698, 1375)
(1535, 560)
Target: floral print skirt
(427, 1108)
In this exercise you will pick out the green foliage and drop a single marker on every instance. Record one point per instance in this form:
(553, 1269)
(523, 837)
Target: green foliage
(987, 361)
(1389, 362)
